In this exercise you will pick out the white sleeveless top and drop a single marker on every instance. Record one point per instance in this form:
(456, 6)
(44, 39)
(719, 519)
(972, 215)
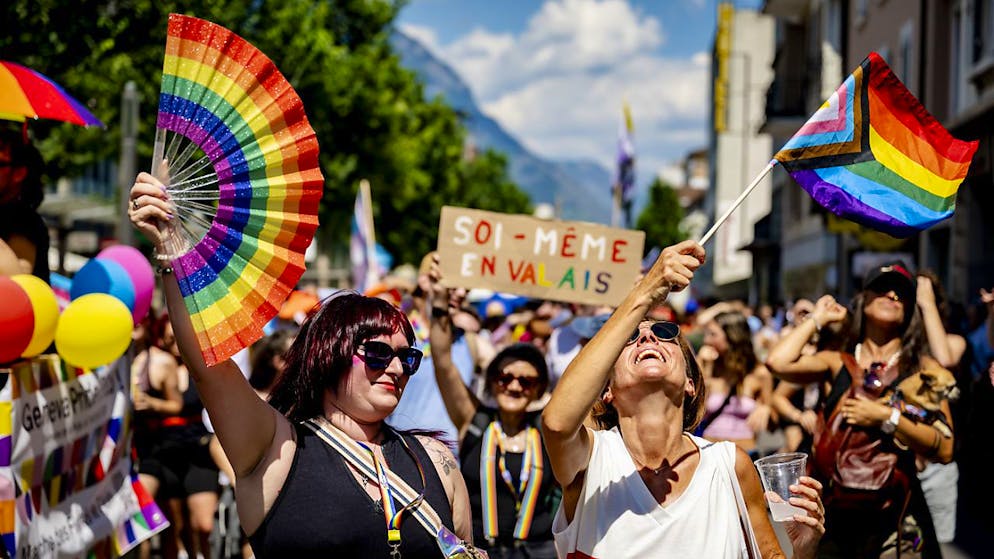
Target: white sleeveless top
(617, 517)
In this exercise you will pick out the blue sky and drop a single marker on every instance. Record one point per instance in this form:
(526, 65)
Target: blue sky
(556, 72)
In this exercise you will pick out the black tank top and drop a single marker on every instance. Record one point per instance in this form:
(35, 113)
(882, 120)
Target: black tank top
(322, 511)
(507, 517)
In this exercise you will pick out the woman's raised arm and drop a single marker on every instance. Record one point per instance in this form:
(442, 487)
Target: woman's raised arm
(568, 443)
(787, 360)
(244, 424)
(460, 403)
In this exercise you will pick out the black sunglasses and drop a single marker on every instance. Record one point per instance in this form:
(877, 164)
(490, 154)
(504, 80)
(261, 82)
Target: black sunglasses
(526, 383)
(664, 330)
(379, 355)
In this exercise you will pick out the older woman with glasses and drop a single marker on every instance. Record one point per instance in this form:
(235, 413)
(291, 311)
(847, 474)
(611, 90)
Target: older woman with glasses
(643, 486)
(306, 486)
(866, 450)
(511, 488)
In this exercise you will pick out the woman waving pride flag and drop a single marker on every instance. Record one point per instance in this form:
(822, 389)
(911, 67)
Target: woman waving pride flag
(872, 154)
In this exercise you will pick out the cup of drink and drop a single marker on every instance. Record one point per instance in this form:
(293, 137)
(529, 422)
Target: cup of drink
(779, 472)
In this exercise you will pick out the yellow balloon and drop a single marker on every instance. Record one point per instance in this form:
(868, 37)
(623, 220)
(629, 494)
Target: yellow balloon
(46, 311)
(94, 330)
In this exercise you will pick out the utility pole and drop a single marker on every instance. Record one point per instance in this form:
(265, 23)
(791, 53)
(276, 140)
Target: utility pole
(127, 166)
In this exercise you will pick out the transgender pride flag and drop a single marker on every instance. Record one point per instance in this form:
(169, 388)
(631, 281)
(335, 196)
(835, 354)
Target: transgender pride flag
(872, 154)
(362, 244)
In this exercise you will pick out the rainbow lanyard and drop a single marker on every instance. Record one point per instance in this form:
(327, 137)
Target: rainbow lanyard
(390, 512)
(421, 332)
(525, 495)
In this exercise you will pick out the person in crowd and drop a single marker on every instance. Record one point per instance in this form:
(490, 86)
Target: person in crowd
(422, 407)
(866, 430)
(982, 340)
(768, 334)
(739, 387)
(511, 490)
(643, 486)
(939, 481)
(269, 361)
(567, 339)
(945, 346)
(156, 395)
(24, 237)
(182, 458)
(794, 403)
(345, 373)
(797, 405)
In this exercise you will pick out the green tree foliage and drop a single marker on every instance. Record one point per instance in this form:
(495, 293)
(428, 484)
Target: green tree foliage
(370, 115)
(660, 219)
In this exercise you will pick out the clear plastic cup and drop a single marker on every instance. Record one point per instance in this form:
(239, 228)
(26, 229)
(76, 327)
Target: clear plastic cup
(778, 473)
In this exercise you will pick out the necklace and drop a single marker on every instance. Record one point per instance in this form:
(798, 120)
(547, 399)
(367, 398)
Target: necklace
(516, 442)
(890, 361)
(655, 471)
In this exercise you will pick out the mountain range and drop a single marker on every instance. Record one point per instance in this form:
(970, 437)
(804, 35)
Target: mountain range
(579, 189)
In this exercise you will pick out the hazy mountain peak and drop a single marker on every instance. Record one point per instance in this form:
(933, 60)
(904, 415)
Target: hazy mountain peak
(580, 188)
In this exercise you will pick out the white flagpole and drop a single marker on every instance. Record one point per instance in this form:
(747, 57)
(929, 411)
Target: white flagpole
(367, 204)
(738, 201)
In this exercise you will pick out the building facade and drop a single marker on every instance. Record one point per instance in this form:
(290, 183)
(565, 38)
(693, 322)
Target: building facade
(741, 71)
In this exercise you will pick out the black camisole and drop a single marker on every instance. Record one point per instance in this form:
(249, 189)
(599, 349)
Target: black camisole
(323, 511)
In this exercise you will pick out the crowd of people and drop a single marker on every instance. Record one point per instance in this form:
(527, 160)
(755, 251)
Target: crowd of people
(548, 429)
(414, 417)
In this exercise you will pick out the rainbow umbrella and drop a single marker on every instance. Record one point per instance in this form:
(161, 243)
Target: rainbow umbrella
(25, 93)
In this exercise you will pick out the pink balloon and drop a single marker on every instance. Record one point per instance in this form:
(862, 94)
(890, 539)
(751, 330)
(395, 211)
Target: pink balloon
(140, 271)
(17, 320)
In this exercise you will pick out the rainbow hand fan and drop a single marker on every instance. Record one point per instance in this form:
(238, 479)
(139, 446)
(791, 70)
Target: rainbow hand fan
(241, 163)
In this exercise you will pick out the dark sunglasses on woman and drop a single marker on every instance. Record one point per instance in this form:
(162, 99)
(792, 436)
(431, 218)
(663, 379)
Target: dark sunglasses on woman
(379, 355)
(664, 330)
(526, 383)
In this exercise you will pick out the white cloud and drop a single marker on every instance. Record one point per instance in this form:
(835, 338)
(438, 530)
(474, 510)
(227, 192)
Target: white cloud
(424, 35)
(559, 85)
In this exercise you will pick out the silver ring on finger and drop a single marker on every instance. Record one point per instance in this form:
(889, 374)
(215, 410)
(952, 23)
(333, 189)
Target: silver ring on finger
(134, 205)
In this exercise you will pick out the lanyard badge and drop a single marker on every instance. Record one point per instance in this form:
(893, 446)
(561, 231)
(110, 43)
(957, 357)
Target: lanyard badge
(393, 516)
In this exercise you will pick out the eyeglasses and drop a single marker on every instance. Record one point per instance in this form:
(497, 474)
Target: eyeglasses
(526, 383)
(379, 355)
(664, 330)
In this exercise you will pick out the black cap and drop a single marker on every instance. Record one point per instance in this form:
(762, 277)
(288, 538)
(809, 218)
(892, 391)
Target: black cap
(893, 276)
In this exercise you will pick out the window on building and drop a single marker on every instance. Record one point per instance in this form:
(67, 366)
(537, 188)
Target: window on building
(983, 30)
(906, 54)
(861, 7)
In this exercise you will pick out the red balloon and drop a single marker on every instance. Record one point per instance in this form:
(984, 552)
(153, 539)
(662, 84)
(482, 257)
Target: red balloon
(17, 320)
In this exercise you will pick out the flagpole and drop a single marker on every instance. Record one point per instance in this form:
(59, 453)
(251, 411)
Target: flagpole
(738, 201)
(367, 206)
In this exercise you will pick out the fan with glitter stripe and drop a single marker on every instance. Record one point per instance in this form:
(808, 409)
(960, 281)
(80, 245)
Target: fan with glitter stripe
(240, 162)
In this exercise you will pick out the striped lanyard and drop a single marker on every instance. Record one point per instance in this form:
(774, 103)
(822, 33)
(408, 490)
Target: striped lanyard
(529, 481)
(390, 512)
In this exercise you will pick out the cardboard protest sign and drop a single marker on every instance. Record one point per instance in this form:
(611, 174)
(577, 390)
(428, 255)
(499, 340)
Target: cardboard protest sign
(67, 486)
(569, 261)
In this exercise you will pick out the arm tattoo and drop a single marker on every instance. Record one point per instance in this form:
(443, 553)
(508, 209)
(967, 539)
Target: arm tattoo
(444, 458)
